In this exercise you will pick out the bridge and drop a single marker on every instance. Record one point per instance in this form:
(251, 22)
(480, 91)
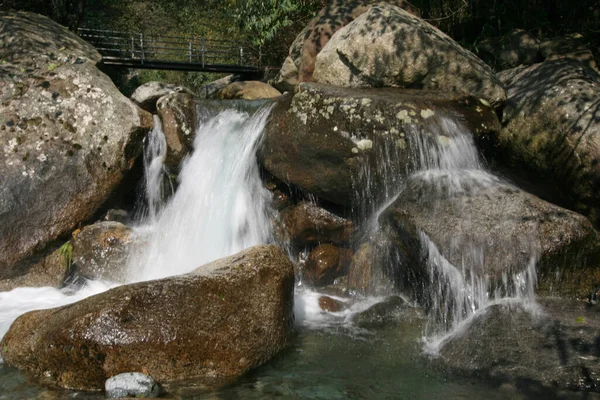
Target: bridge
(137, 50)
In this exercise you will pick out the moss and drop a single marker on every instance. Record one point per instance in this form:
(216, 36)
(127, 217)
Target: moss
(66, 252)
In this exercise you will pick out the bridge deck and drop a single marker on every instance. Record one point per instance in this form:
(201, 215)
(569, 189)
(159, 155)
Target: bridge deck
(136, 50)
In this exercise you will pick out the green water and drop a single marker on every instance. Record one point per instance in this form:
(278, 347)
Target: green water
(332, 364)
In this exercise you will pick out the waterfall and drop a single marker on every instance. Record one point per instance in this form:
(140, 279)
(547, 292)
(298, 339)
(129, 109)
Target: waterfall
(154, 170)
(220, 206)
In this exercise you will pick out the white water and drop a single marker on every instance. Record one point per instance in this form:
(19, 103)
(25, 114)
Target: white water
(220, 208)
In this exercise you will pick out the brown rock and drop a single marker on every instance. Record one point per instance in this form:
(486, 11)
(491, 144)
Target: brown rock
(308, 224)
(100, 250)
(329, 304)
(51, 270)
(219, 321)
(248, 90)
(178, 115)
(325, 263)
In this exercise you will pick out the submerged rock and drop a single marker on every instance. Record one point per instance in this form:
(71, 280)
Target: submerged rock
(490, 231)
(68, 136)
(381, 314)
(552, 133)
(219, 321)
(131, 384)
(553, 349)
(100, 251)
(388, 46)
(345, 145)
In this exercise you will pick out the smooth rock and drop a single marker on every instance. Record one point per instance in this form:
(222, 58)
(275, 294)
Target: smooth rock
(68, 136)
(330, 304)
(248, 90)
(215, 323)
(381, 314)
(131, 384)
(325, 263)
(148, 94)
(388, 46)
(348, 145)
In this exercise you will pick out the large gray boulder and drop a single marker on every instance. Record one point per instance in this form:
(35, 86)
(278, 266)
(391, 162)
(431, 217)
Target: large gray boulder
(490, 231)
(552, 349)
(346, 145)
(551, 132)
(217, 322)
(68, 135)
(388, 46)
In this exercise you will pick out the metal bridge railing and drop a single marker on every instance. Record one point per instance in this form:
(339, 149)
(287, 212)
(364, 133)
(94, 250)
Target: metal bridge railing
(141, 47)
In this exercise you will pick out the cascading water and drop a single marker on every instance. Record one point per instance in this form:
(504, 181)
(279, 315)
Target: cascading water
(154, 157)
(220, 206)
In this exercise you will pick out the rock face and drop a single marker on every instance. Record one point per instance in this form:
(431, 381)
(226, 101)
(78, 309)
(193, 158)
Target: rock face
(557, 348)
(489, 229)
(552, 131)
(346, 144)
(300, 64)
(387, 46)
(248, 90)
(148, 94)
(178, 114)
(68, 135)
(100, 251)
(219, 321)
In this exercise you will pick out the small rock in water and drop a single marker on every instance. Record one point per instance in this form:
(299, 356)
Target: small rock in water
(131, 384)
(327, 303)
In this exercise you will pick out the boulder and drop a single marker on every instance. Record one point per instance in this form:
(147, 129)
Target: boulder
(557, 347)
(490, 231)
(217, 322)
(68, 136)
(325, 263)
(517, 47)
(388, 46)
(382, 314)
(248, 90)
(148, 94)
(101, 250)
(307, 224)
(210, 90)
(178, 114)
(347, 145)
(300, 64)
(551, 132)
(329, 304)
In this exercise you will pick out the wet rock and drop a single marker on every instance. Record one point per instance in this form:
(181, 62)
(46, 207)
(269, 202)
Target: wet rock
(308, 224)
(508, 51)
(345, 145)
(219, 321)
(248, 90)
(325, 263)
(300, 64)
(50, 270)
(148, 94)
(178, 114)
(551, 133)
(117, 215)
(381, 314)
(388, 46)
(100, 250)
(131, 384)
(70, 136)
(489, 230)
(330, 304)
(555, 348)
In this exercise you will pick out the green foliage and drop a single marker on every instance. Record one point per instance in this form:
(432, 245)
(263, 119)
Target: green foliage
(66, 252)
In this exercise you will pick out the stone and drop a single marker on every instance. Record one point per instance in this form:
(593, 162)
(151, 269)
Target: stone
(101, 250)
(213, 324)
(551, 133)
(50, 270)
(146, 95)
(131, 384)
(330, 304)
(381, 314)
(178, 114)
(248, 90)
(388, 46)
(210, 90)
(515, 48)
(308, 224)
(68, 136)
(555, 347)
(489, 230)
(325, 263)
(347, 145)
